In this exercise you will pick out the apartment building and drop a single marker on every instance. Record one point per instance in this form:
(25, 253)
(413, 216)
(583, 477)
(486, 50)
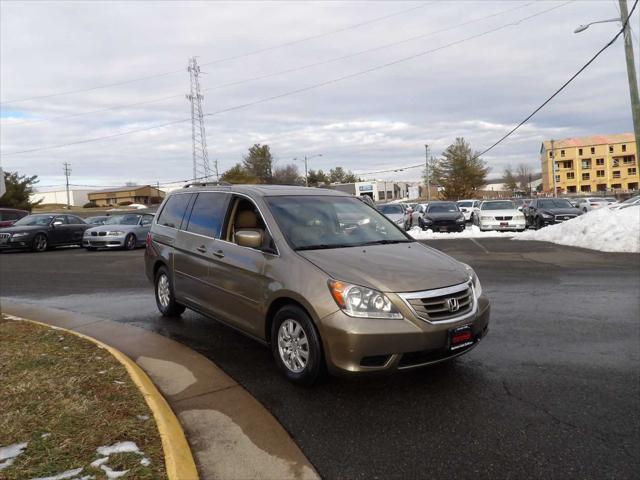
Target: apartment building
(598, 163)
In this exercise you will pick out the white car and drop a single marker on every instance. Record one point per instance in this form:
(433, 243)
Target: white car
(593, 203)
(499, 215)
(467, 207)
(629, 202)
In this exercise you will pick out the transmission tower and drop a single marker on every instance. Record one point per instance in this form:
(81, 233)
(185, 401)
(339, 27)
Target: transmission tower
(201, 169)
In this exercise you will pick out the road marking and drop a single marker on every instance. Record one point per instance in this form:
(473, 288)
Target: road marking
(480, 245)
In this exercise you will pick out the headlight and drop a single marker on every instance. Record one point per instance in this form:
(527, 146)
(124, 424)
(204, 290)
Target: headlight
(477, 287)
(486, 218)
(518, 217)
(115, 233)
(19, 234)
(460, 219)
(357, 301)
(547, 215)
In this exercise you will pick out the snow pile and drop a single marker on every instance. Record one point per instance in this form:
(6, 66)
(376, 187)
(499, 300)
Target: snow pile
(471, 231)
(8, 454)
(602, 229)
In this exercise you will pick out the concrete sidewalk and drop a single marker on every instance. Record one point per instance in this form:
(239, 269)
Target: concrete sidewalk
(231, 435)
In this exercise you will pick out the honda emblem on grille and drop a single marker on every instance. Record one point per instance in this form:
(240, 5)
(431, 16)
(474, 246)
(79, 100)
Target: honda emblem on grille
(453, 305)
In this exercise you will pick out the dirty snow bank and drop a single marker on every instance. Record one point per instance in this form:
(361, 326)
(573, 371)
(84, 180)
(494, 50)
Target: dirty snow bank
(603, 229)
(471, 231)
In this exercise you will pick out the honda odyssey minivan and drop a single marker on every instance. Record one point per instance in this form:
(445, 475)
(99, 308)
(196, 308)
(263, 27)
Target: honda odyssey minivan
(325, 280)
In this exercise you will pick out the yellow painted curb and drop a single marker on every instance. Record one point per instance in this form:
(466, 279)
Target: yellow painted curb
(177, 454)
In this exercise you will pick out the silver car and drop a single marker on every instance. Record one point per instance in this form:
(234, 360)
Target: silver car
(126, 231)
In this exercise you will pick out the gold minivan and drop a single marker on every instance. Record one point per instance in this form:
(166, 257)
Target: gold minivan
(323, 278)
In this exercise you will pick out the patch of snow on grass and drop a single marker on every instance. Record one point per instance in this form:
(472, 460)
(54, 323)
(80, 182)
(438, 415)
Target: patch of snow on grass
(45, 435)
(142, 418)
(98, 462)
(145, 462)
(62, 476)
(9, 453)
(113, 473)
(469, 232)
(602, 229)
(120, 447)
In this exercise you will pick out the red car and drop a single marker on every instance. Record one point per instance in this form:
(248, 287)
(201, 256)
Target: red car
(8, 216)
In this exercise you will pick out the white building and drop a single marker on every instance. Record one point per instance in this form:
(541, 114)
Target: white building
(77, 198)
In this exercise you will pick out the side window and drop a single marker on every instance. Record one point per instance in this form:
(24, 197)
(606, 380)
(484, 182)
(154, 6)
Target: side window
(244, 215)
(207, 214)
(61, 218)
(173, 211)
(146, 220)
(74, 220)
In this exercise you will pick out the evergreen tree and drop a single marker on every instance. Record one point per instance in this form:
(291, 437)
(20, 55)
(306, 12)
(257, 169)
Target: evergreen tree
(459, 171)
(19, 187)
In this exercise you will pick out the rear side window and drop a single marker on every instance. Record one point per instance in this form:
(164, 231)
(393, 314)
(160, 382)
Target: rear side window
(173, 211)
(74, 220)
(208, 214)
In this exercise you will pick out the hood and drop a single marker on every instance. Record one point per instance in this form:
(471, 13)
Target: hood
(444, 215)
(562, 211)
(24, 228)
(401, 267)
(500, 213)
(110, 228)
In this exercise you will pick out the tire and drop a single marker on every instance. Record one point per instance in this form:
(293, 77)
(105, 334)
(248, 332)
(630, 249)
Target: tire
(40, 243)
(293, 336)
(421, 224)
(165, 298)
(91, 249)
(130, 242)
(584, 209)
(538, 223)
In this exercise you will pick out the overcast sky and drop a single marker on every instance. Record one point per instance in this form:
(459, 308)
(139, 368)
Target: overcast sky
(460, 82)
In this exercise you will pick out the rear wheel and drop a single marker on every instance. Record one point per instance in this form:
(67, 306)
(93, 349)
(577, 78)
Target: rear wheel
(40, 243)
(295, 345)
(91, 249)
(165, 298)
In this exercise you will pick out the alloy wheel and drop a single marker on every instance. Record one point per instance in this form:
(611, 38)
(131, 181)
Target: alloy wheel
(293, 346)
(164, 293)
(40, 243)
(130, 242)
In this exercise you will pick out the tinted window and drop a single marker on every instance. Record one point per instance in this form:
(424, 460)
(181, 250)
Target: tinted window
(506, 205)
(62, 219)
(74, 220)
(173, 210)
(442, 208)
(390, 209)
(207, 214)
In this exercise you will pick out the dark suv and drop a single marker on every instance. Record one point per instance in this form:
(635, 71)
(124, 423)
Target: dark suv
(547, 211)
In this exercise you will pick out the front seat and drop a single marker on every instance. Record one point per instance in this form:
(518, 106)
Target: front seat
(247, 220)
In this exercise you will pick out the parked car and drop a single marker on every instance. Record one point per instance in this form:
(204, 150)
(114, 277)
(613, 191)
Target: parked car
(593, 203)
(397, 213)
(42, 231)
(466, 207)
(522, 203)
(418, 213)
(573, 201)
(126, 231)
(8, 216)
(443, 217)
(274, 262)
(548, 211)
(96, 220)
(499, 215)
(629, 202)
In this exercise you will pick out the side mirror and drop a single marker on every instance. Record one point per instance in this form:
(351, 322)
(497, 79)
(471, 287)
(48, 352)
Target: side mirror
(520, 208)
(249, 238)
(56, 223)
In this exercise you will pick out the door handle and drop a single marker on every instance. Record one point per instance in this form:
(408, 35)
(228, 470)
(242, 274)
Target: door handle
(201, 249)
(219, 253)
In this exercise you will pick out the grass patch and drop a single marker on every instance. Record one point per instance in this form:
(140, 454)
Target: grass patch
(65, 397)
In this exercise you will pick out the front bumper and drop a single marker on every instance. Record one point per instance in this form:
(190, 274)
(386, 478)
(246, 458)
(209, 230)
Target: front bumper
(503, 225)
(106, 241)
(15, 244)
(362, 345)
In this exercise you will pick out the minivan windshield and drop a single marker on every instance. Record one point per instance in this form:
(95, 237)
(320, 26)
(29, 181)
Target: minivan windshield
(505, 205)
(32, 220)
(316, 222)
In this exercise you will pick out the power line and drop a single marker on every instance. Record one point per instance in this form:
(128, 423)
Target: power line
(309, 87)
(220, 60)
(286, 71)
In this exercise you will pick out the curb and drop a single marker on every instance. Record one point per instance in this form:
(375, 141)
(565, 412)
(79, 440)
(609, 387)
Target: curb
(179, 461)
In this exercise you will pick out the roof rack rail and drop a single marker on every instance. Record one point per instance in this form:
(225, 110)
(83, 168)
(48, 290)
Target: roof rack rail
(206, 184)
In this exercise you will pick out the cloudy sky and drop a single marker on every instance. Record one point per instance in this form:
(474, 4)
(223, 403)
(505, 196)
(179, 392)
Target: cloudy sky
(365, 84)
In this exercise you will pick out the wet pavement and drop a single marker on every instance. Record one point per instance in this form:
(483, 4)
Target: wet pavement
(551, 392)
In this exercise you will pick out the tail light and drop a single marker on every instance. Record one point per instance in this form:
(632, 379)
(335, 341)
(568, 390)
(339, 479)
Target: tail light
(148, 242)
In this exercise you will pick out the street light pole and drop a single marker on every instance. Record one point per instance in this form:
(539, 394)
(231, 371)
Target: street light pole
(426, 160)
(631, 72)
(631, 68)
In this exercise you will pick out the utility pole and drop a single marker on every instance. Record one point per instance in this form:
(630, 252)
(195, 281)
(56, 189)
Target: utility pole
(553, 169)
(215, 169)
(67, 172)
(198, 136)
(426, 161)
(631, 72)
(306, 174)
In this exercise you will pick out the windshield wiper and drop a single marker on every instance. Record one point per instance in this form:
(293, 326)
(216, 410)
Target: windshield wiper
(383, 242)
(324, 246)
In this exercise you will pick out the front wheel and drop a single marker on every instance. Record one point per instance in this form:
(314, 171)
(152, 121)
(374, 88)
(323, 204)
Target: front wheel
(295, 345)
(165, 298)
(40, 243)
(539, 224)
(130, 242)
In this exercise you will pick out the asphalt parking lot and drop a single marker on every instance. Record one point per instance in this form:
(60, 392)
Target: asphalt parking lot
(551, 392)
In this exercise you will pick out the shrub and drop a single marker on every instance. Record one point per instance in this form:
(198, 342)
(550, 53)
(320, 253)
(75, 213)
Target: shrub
(89, 205)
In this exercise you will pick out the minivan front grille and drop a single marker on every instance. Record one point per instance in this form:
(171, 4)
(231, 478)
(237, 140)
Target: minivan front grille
(441, 304)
